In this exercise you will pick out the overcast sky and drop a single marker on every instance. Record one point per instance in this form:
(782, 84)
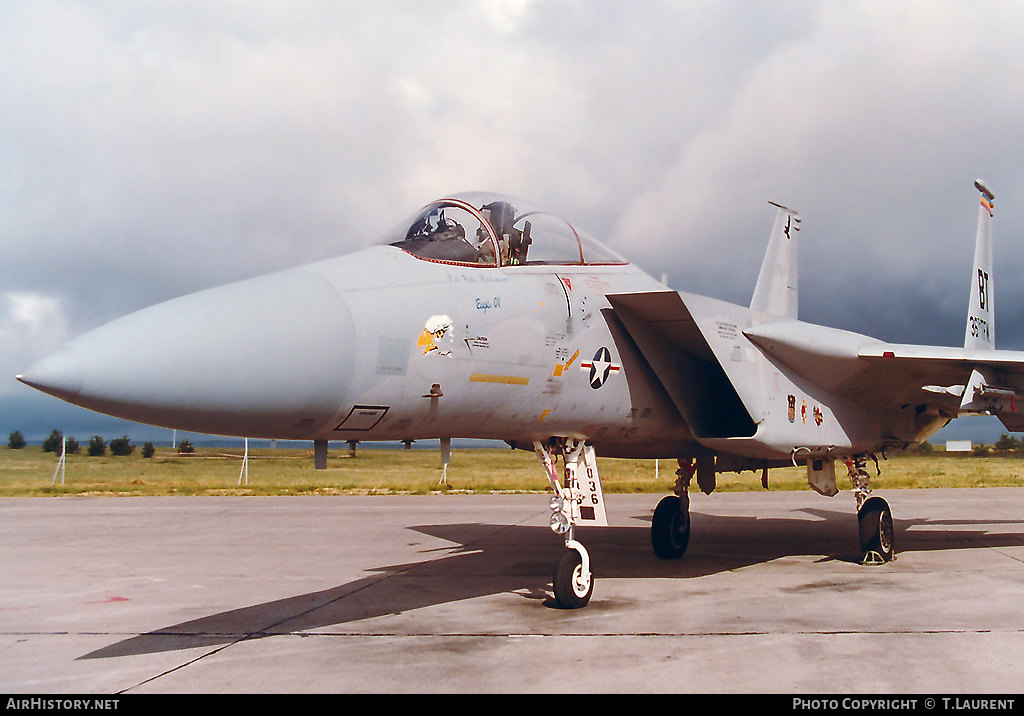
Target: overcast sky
(151, 149)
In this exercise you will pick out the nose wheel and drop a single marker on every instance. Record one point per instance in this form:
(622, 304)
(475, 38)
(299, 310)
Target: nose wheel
(572, 580)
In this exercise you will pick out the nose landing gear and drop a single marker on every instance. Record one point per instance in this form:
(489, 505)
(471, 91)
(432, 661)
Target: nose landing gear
(578, 501)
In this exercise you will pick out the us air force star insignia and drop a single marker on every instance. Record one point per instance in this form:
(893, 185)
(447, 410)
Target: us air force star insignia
(600, 368)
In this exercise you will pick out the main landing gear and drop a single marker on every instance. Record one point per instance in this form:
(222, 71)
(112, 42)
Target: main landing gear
(578, 500)
(873, 517)
(670, 526)
(876, 531)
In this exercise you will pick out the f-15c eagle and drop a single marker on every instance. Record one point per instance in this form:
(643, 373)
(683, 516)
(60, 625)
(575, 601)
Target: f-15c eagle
(485, 317)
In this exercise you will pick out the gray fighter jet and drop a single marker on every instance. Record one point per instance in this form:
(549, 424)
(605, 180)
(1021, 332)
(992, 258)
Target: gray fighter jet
(484, 317)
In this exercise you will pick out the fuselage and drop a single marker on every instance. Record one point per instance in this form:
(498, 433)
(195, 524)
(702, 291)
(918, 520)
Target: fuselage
(478, 320)
(518, 353)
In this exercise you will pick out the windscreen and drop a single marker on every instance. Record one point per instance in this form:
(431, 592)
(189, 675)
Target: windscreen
(490, 230)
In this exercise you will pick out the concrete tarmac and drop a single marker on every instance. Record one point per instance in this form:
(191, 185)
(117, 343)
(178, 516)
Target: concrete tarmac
(452, 593)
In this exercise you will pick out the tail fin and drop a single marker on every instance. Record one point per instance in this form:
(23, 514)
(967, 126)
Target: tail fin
(986, 391)
(776, 290)
(981, 311)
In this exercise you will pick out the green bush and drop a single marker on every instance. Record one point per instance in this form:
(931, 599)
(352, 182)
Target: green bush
(97, 446)
(121, 446)
(54, 442)
(1007, 443)
(16, 441)
(148, 450)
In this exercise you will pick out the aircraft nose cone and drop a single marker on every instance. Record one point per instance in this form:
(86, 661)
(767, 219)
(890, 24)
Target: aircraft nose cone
(59, 374)
(269, 357)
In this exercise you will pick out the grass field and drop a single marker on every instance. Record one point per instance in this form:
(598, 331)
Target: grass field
(216, 471)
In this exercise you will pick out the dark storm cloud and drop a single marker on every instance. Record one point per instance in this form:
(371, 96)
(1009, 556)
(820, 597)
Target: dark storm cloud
(873, 123)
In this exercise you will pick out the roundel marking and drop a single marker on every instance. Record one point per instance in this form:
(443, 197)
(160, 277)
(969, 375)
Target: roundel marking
(600, 368)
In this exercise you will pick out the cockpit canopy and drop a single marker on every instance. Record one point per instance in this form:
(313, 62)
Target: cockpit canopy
(490, 230)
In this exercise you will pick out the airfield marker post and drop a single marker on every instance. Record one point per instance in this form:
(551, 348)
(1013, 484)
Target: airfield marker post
(245, 464)
(446, 457)
(61, 463)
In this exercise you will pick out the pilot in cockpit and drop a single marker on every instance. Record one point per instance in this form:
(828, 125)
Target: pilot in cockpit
(434, 236)
(514, 242)
(445, 233)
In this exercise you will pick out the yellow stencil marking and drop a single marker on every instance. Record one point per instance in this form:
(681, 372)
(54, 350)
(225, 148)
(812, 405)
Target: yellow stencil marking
(560, 368)
(506, 379)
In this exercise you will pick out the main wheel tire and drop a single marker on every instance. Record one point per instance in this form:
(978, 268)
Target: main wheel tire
(670, 528)
(876, 528)
(572, 588)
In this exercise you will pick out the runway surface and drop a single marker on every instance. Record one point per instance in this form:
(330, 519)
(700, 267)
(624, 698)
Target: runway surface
(453, 594)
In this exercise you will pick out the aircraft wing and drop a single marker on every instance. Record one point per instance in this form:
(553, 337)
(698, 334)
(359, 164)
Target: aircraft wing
(691, 343)
(973, 380)
(952, 381)
(940, 361)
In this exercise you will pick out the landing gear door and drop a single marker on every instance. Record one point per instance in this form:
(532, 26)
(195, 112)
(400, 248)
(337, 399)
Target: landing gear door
(587, 494)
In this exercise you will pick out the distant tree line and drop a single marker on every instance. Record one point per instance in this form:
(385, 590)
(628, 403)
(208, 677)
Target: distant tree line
(1005, 444)
(1008, 443)
(97, 445)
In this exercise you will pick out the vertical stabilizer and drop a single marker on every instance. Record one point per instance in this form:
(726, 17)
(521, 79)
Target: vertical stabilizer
(981, 311)
(776, 290)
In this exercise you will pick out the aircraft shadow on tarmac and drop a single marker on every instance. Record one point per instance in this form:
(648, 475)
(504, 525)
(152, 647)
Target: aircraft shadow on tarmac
(494, 559)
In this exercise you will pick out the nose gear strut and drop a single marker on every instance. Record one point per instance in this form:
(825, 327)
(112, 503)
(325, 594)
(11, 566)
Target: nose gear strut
(578, 499)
